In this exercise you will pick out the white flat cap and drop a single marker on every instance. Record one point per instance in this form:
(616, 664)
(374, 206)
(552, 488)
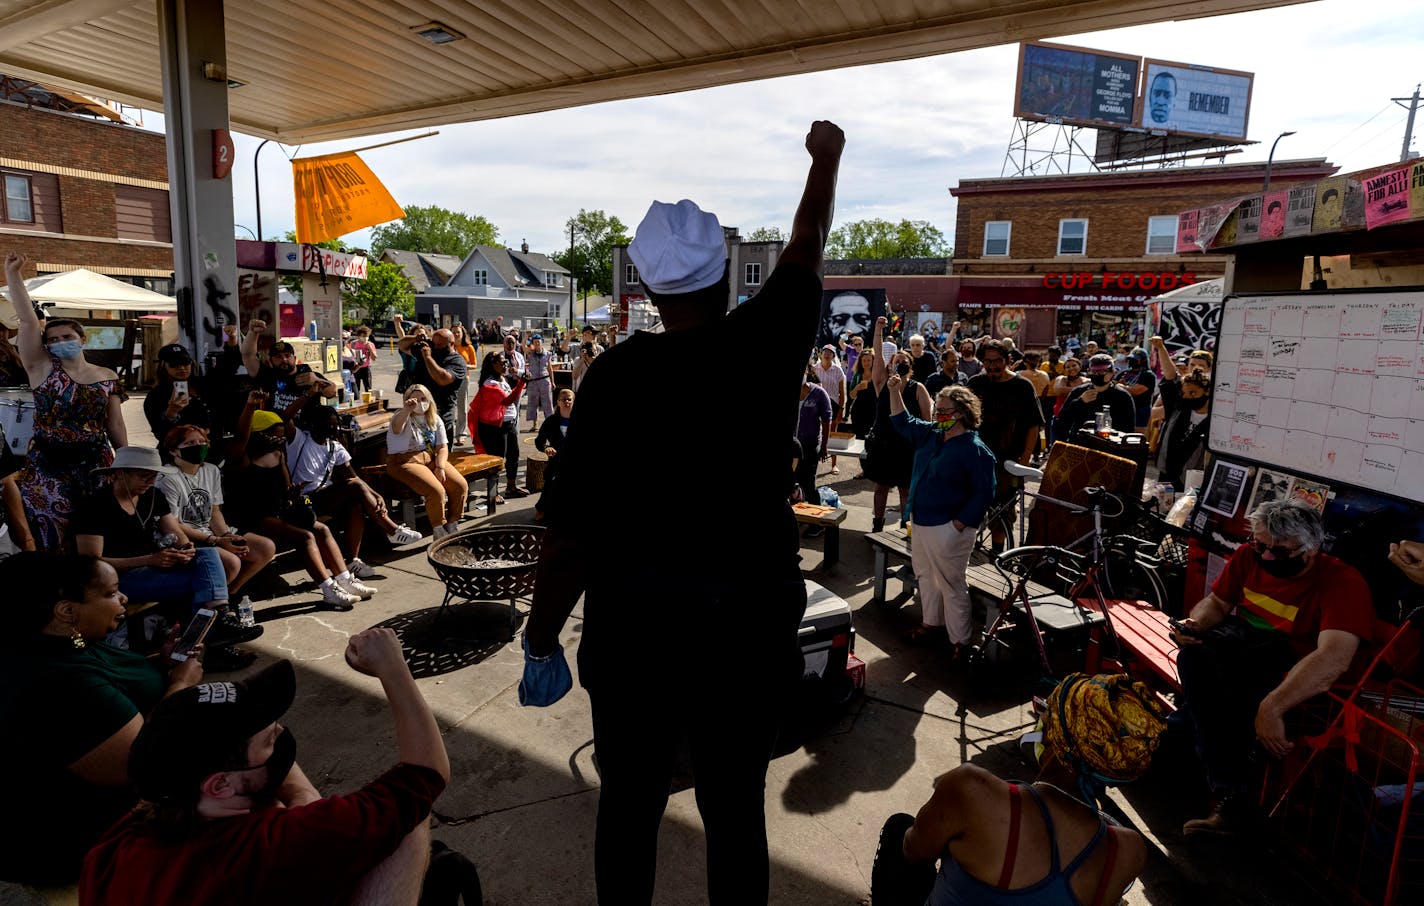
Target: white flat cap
(678, 248)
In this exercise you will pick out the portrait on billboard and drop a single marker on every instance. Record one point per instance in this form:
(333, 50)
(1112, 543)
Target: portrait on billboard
(847, 313)
(1075, 84)
(1197, 100)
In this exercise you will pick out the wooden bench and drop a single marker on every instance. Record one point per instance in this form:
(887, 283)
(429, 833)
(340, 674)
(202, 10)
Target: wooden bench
(1143, 632)
(473, 466)
(829, 518)
(887, 544)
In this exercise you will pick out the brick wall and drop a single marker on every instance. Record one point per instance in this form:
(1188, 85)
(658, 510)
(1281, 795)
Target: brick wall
(1116, 206)
(87, 205)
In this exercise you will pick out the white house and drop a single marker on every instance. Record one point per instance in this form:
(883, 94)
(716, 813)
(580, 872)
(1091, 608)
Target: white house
(518, 284)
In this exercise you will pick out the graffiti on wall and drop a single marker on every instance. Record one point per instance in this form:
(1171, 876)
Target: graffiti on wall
(1190, 324)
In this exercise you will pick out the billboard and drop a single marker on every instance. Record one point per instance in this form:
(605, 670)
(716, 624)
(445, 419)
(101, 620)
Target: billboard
(1196, 100)
(1075, 85)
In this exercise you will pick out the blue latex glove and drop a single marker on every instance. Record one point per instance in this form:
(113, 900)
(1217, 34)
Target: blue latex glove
(546, 679)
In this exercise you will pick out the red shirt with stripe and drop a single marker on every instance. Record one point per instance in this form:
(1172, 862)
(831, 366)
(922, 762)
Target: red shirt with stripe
(1330, 594)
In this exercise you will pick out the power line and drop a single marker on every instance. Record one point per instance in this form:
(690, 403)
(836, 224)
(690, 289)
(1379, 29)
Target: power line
(1358, 128)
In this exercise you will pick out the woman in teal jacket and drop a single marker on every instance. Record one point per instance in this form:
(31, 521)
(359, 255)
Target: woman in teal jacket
(951, 487)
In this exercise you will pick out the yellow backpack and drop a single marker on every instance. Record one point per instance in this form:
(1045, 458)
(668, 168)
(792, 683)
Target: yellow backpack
(1107, 726)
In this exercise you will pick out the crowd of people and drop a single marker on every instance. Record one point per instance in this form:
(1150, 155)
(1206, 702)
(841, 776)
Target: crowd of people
(149, 772)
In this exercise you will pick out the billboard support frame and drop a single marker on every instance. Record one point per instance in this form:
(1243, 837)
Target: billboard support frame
(1021, 159)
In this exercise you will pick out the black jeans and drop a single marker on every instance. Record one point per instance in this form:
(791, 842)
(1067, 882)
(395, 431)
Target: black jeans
(638, 733)
(1224, 680)
(806, 472)
(503, 440)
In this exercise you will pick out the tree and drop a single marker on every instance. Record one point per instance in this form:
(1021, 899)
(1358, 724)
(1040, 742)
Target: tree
(766, 234)
(883, 239)
(592, 263)
(435, 230)
(384, 290)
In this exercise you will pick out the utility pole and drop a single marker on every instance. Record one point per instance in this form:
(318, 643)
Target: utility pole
(1413, 103)
(572, 228)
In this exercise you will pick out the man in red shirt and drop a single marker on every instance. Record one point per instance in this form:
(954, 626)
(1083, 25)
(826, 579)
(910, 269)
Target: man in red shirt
(213, 766)
(1281, 624)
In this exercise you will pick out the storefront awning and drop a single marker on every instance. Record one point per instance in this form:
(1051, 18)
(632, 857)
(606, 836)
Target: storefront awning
(1031, 292)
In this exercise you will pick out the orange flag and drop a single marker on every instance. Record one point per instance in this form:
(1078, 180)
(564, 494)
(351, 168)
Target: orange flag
(338, 194)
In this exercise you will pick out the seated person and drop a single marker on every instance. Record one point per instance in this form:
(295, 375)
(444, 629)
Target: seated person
(1098, 395)
(321, 467)
(262, 495)
(166, 407)
(997, 840)
(128, 524)
(193, 489)
(418, 454)
(1281, 624)
(214, 770)
(75, 704)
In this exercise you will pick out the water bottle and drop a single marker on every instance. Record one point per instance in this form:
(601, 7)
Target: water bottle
(829, 497)
(311, 331)
(349, 380)
(244, 612)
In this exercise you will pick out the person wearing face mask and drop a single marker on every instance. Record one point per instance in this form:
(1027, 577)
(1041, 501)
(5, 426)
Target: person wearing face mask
(226, 816)
(78, 420)
(281, 377)
(1186, 402)
(418, 453)
(194, 493)
(950, 489)
(441, 370)
(1011, 422)
(1138, 380)
(81, 700)
(129, 525)
(166, 407)
(495, 415)
(1281, 625)
(889, 457)
(541, 392)
(551, 437)
(1100, 394)
(259, 486)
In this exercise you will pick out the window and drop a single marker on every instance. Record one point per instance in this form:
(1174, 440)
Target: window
(630, 274)
(996, 238)
(19, 206)
(1162, 235)
(754, 273)
(481, 277)
(552, 279)
(1072, 237)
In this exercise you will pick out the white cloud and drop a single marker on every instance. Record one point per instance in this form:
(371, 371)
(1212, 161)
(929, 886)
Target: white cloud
(913, 129)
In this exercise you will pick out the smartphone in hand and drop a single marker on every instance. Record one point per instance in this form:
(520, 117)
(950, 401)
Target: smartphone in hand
(193, 636)
(1184, 629)
(180, 388)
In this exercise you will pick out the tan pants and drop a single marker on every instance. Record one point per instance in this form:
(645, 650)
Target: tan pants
(444, 489)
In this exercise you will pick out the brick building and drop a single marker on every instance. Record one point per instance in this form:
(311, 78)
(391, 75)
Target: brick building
(80, 192)
(1048, 258)
(751, 264)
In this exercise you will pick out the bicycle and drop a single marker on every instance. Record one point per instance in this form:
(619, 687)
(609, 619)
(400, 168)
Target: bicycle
(999, 519)
(1079, 574)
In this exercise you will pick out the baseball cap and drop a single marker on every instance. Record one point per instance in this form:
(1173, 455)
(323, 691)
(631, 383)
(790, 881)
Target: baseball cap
(196, 732)
(1100, 361)
(281, 347)
(262, 420)
(678, 248)
(175, 354)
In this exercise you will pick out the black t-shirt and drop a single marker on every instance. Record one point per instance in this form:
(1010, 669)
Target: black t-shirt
(705, 539)
(939, 380)
(133, 534)
(280, 386)
(1076, 413)
(443, 398)
(197, 412)
(924, 366)
(1011, 411)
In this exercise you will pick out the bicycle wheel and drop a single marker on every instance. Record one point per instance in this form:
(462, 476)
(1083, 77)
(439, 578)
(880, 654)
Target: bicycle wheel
(1128, 575)
(996, 520)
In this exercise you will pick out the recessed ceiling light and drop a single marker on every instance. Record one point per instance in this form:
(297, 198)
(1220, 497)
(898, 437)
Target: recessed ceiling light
(436, 33)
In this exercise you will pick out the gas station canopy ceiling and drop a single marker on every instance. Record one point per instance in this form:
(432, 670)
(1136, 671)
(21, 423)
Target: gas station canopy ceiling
(312, 70)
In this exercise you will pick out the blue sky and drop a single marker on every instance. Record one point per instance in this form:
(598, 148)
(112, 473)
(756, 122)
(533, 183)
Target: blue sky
(913, 129)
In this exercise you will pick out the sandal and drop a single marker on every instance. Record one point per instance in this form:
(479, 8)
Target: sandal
(498, 500)
(515, 491)
(835, 471)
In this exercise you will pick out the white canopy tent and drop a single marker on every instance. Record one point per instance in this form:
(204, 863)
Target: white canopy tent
(84, 290)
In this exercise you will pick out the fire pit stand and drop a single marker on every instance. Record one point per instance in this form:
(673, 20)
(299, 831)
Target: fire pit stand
(493, 563)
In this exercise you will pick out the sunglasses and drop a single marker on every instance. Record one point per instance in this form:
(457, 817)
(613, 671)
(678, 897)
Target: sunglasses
(1278, 551)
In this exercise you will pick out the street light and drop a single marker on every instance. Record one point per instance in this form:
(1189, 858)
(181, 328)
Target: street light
(573, 228)
(249, 230)
(1271, 157)
(257, 185)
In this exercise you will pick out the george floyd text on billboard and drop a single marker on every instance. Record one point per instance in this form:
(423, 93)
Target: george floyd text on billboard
(1194, 100)
(1075, 85)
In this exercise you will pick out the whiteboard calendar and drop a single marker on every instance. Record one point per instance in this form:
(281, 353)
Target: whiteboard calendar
(1330, 384)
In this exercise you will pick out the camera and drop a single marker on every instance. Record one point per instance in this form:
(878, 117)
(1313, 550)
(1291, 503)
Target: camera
(902, 369)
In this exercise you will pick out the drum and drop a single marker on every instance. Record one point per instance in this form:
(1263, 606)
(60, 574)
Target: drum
(17, 418)
(534, 473)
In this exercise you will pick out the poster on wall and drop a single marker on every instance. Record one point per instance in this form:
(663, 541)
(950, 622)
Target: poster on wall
(1387, 197)
(1189, 324)
(1223, 493)
(847, 313)
(1008, 322)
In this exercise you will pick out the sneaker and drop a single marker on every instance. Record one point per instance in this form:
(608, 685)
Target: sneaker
(815, 531)
(404, 534)
(229, 631)
(226, 660)
(360, 569)
(338, 598)
(357, 588)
